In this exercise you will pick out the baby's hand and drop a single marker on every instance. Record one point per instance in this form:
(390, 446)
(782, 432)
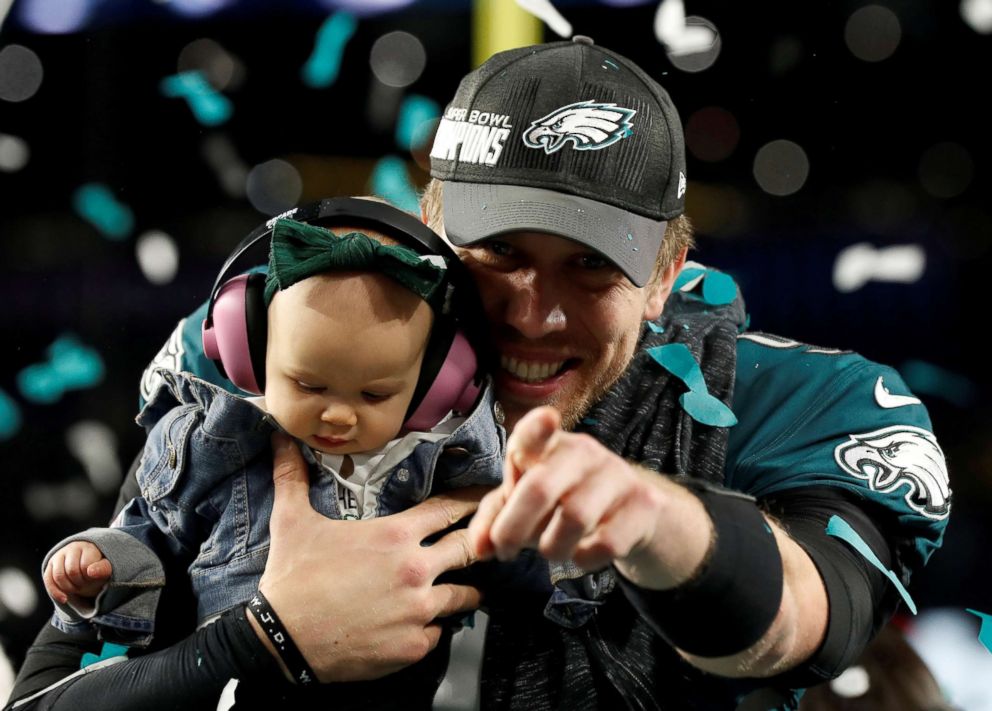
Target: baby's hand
(77, 569)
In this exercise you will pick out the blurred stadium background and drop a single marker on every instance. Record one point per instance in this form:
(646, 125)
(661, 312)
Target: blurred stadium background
(839, 168)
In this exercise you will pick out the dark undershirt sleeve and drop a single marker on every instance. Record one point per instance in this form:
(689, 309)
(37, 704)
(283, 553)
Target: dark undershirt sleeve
(188, 675)
(861, 598)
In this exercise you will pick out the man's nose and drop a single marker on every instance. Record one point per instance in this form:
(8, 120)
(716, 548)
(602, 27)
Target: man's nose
(339, 413)
(534, 307)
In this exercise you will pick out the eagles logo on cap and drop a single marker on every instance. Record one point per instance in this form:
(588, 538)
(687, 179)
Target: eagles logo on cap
(587, 124)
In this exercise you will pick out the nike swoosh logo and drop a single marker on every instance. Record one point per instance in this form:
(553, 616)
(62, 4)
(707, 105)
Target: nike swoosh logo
(887, 400)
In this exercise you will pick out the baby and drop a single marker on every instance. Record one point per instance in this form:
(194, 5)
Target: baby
(350, 317)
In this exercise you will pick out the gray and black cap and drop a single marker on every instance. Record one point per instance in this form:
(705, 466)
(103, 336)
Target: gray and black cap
(566, 138)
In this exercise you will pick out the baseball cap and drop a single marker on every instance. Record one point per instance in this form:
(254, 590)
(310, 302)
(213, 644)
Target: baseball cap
(566, 138)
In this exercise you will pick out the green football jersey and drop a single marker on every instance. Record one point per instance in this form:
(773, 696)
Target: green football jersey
(811, 416)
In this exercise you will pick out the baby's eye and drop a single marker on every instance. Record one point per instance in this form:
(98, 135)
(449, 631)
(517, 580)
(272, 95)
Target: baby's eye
(375, 397)
(307, 388)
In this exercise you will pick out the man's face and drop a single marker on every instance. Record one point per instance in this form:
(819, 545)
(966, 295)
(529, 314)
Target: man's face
(564, 320)
(343, 359)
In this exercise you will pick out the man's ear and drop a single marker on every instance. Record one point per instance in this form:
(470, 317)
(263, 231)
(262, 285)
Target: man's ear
(661, 289)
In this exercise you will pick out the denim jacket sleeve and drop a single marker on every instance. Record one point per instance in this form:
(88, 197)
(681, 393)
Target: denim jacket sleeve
(124, 612)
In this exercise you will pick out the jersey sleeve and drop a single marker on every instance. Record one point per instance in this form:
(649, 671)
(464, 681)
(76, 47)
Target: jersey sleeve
(183, 351)
(811, 417)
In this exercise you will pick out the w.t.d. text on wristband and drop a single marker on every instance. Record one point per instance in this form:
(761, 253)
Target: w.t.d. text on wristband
(277, 634)
(733, 600)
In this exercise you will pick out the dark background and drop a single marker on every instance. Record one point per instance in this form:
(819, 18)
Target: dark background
(784, 72)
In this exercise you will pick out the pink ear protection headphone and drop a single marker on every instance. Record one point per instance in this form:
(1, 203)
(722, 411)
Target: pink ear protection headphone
(235, 329)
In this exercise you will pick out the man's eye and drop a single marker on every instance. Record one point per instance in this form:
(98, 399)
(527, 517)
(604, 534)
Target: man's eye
(593, 261)
(500, 249)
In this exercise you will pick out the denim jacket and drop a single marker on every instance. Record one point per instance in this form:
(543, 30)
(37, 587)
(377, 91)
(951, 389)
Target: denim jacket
(206, 483)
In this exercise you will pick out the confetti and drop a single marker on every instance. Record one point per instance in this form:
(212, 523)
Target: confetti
(985, 631)
(391, 181)
(839, 528)
(718, 289)
(681, 38)
(677, 359)
(10, 417)
(416, 114)
(549, 15)
(107, 652)
(210, 107)
(861, 263)
(322, 68)
(98, 205)
(71, 366)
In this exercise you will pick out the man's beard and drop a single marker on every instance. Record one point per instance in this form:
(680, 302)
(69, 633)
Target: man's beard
(573, 412)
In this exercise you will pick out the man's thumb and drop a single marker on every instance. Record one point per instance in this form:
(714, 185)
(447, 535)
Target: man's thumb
(290, 480)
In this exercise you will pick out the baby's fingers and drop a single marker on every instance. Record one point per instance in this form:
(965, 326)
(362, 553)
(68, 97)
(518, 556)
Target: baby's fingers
(99, 570)
(51, 587)
(73, 568)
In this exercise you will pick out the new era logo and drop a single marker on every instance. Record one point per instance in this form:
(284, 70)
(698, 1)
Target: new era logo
(681, 184)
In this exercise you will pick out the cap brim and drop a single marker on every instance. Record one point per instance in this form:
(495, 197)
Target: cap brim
(478, 211)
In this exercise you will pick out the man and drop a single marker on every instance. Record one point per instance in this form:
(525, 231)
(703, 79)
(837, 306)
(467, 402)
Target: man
(697, 499)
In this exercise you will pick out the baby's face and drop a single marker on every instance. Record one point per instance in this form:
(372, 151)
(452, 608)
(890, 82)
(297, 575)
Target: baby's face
(343, 359)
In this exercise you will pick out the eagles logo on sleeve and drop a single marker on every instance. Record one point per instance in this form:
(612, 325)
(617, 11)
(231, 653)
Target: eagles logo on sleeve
(588, 125)
(169, 357)
(900, 456)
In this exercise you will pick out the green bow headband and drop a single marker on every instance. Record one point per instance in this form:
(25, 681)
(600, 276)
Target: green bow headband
(300, 251)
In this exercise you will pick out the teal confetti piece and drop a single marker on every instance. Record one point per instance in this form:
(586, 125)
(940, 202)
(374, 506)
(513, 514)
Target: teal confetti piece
(39, 383)
(10, 417)
(324, 64)
(98, 205)
(655, 327)
(746, 325)
(108, 651)
(704, 408)
(685, 276)
(719, 289)
(590, 421)
(839, 528)
(391, 181)
(208, 106)
(678, 360)
(413, 122)
(985, 631)
(71, 366)
(76, 365)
